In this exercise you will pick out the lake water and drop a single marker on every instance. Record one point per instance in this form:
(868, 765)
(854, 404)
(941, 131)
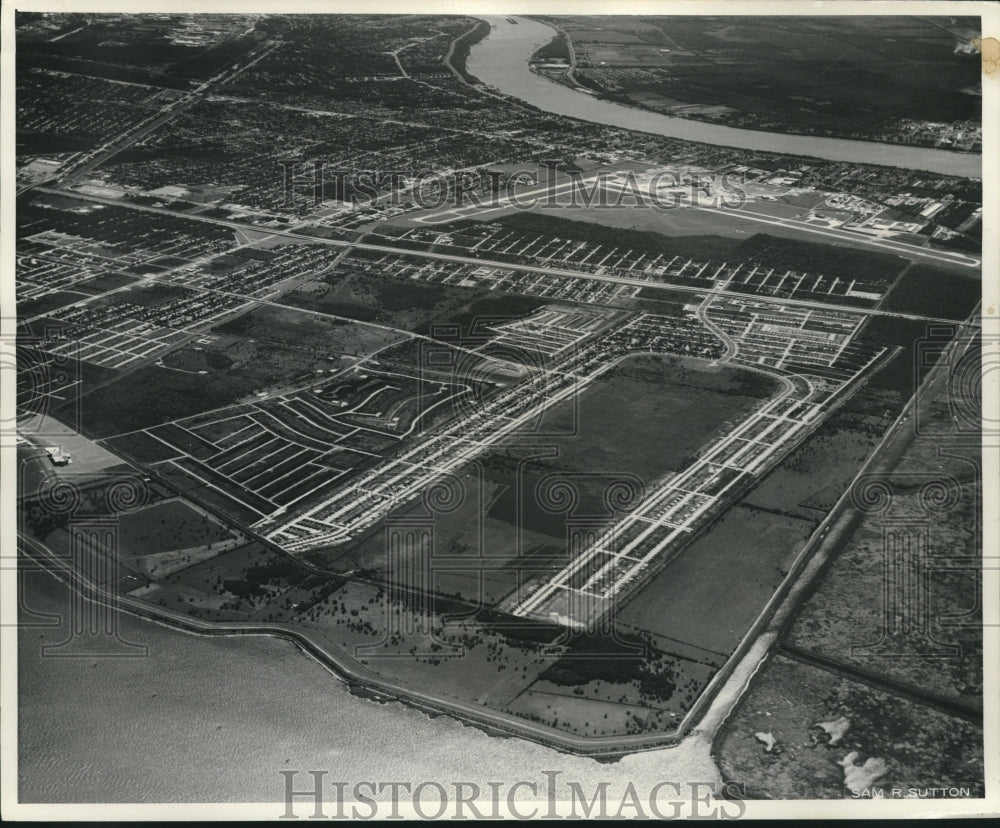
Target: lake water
(501, 61)
(214, 719)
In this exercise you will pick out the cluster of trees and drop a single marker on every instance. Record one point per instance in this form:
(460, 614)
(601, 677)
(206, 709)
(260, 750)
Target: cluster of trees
(555, 49)
(616, 659)
(460, 54)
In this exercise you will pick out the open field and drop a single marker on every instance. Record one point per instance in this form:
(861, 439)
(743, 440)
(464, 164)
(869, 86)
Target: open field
(370, 297)
(166, 526)
(811, 479)
(672, 410)
(712, 592)
(926, 289)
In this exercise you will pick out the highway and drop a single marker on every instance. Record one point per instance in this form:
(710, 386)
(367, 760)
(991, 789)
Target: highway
(478, 262)
(94, 158)
(83, 164)
(543, 194)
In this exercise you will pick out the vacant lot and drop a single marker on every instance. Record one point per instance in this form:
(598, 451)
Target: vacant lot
(648, 416)
(165, 526)
(312, 334)
(711, 594)
(358, 290)
(485, 555)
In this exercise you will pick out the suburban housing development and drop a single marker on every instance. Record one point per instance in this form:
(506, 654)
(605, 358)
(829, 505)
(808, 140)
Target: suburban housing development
(501, 365)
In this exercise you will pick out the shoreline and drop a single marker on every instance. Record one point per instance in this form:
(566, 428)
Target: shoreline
(370, 687)
(505, 70)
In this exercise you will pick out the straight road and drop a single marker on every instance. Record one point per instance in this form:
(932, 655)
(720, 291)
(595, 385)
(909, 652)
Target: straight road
(882, 683)
(95, 157)
(471, 260)
(547, 193)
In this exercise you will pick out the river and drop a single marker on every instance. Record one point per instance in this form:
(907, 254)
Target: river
(501, 61)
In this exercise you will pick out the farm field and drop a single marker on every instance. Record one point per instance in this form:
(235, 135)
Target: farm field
(166, 526)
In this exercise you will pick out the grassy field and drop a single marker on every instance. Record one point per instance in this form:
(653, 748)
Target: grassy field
(48, 303)
(169, 536)
(166, 526)
(809, 481)
(935, 292)
(367, 295)
(469, 532)
(587, 716)
(648, 415)
(711, 594)
(107, 281)
(476, 311)
(754, 542)
(210, 496)
(311, 334)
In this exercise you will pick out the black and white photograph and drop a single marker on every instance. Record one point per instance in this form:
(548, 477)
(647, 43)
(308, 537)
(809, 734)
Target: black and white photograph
(538, 410)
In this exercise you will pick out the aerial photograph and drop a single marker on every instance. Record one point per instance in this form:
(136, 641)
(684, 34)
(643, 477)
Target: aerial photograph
(472, 415)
